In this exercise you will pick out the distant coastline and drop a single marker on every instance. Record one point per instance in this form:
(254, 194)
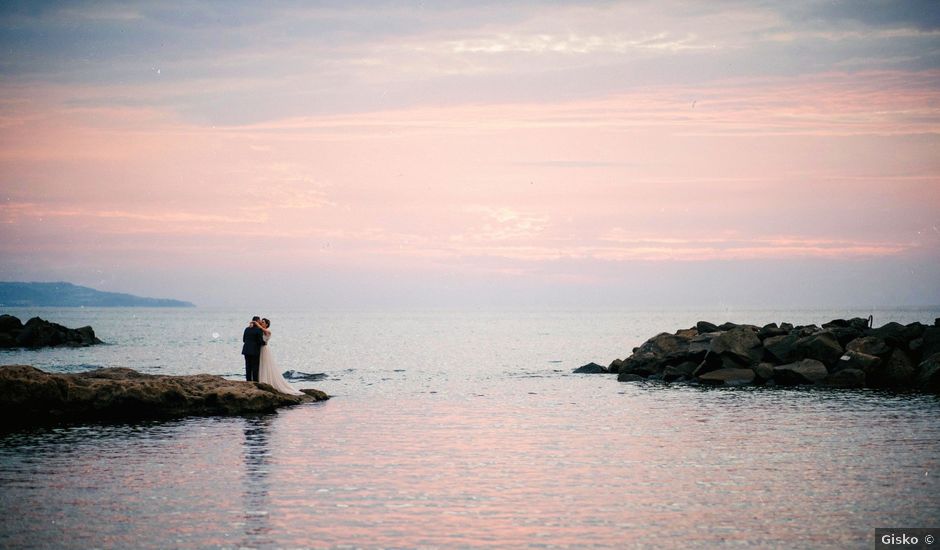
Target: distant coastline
(61, 294)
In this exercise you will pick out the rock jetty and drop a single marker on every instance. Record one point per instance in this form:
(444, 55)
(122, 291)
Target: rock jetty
(31, 396)
(840, 353)
(39, 333)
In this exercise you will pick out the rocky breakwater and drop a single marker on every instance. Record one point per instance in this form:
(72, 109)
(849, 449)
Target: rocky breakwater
(31, 396)
(39, 333)
(840, 353)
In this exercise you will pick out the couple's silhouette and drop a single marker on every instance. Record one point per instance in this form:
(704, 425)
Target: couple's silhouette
(259, 361)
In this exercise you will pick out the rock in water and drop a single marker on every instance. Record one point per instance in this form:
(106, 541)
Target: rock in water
(30, 396)
(298, 375)
(591, 368)
(928, 374)
(822, 346)
(807, 371)
(728, 377)
(847, 378)
(741, 343)
(39, 333)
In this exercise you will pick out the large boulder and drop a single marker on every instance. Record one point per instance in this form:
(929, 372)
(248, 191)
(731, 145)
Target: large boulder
(807, 371)
(764, 372)
(856, 323)
(39, 333)
(728, 377)
(614, 366)
(740, 343)
(897, 335)
(847, 378)
(857, 360)
(29, 395)
(845, 334)
(927, 377)
(896, 371)
(822, 346)
(9, 323)
(782, 349)
(929, 342)
(655, 354)
(704, 326)
(682, 371)
(769, 330)
(869, 345)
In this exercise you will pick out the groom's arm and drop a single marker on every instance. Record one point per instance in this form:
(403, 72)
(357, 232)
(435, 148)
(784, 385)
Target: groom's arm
(261, 341)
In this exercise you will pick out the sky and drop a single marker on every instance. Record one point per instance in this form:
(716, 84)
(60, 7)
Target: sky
(475, 154)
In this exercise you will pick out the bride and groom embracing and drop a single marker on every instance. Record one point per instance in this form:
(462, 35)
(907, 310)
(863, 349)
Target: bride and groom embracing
(259, 362)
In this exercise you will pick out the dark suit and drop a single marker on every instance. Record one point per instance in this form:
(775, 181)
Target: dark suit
(252, 340)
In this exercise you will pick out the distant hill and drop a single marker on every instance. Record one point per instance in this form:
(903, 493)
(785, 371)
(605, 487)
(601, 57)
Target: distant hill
(69, 295)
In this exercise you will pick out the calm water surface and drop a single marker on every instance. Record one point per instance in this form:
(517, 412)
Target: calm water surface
(466, 430)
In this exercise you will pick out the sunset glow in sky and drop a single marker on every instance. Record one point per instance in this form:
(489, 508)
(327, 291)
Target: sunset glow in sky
(654, 153)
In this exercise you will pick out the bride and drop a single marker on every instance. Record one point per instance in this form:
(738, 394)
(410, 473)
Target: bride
(267, 372)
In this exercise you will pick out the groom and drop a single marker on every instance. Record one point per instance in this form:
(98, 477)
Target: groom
(252, 340)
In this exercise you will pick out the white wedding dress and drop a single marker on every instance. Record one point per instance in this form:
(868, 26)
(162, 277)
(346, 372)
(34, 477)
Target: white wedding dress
(267, 372)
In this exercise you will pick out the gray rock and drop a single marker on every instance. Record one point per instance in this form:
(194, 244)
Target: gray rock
(858, 361)
(805, 330)
(770, 330)
(728, 377)
(764, 372)
(298, 375)
(615, 366)
(930, 342)
(32, 396)
(702, 342)
(782, 349)
(9, 323)
(847, 378)
(897, 335)
(869, 345)
(845, 334)
(807, 371)
(704, 326)
(856, 323)
(39, 333)
(927, 377)
(681, 371)
(822, 346)
(657, 353)
(895, 372)
(741, 342)
(591, 368)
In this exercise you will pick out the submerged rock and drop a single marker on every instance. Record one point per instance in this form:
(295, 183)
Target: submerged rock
(298, 375)
(29, 395)
(591, 368)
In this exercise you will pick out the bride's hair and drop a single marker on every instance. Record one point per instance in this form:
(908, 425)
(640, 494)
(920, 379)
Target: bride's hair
(267, 322)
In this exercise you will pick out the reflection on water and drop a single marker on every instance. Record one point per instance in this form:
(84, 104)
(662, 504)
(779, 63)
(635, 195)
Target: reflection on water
(255, 490)
(552, 462)
(472, 432)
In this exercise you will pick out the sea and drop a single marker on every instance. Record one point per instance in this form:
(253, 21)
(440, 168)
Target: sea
(466, 429)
